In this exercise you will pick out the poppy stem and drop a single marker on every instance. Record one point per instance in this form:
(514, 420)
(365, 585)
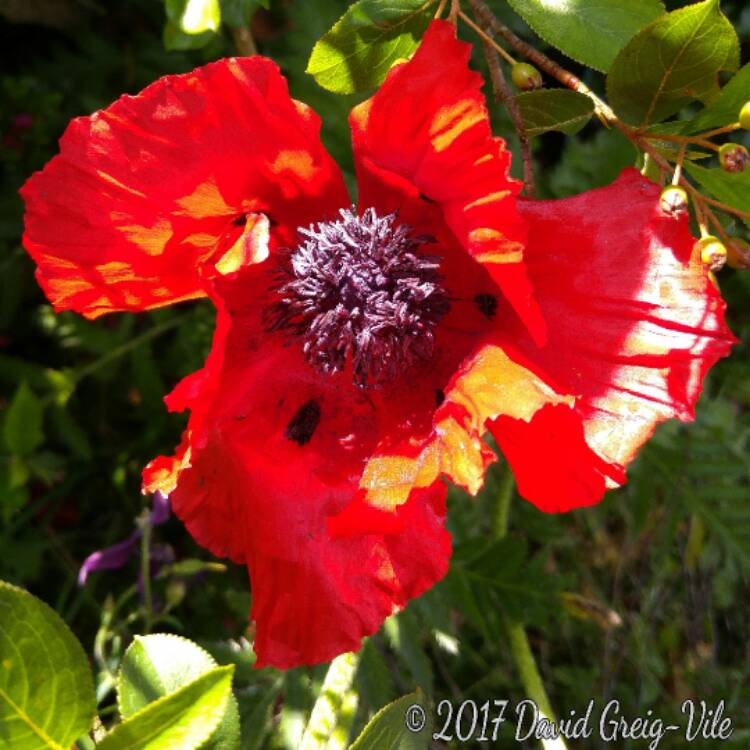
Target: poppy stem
(504, 95)
(122, 350)
(333, 713)
(244, 42)
(518, 641)
(504, 497)
(148, 613)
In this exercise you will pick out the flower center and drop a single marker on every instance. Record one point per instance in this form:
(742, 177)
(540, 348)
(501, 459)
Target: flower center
(358, 290)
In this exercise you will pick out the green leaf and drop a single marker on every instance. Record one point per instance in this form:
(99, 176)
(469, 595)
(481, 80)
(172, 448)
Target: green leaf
(387, 729)
(405, 637)
(554, 109)
(374, 680)
(673, 60)
(256, 713)
(157, 665)
(194, 16)
(183, 719)
(726, 109)
(590, 31)
(24, 422)
(502, 573)
(356, 54)
(730, 188)
(238, 13)
(46, 689)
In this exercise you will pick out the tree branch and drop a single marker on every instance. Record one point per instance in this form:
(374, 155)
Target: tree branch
(504, 95)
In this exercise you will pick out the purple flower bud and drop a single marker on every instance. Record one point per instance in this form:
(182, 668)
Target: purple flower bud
(114, 557)
(109, 558)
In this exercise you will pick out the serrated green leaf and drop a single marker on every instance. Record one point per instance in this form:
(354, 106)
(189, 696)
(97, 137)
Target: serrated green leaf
(356, 54)
(730, 188)
(676, 58)
(590, 31)
(24, 422)
(726, 109)
(387, 730)
(157, 665)
(46, 689)
(183, 719)
(554, 109)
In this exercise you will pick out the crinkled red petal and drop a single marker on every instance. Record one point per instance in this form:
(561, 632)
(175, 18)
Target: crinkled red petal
(154, 191)
(326, 568)
(635, 323)
(428, 123)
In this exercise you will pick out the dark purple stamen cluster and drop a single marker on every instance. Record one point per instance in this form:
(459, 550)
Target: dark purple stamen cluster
(358, 290)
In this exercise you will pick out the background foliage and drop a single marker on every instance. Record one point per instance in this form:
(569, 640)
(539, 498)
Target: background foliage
(643, 598)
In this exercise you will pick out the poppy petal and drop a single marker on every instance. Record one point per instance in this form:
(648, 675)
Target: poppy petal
(486, 385)
(268, 476)
(155, 191)
(635, 325)
(429, 123)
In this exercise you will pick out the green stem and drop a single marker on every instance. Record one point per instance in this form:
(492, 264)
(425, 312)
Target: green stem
(148, 612)
(518, 641)
(129, 346)
(527, 668)
(77, 376)
(502, 509)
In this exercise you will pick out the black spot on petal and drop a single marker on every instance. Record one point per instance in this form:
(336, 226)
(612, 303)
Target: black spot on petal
(426, 198)
(487, 304)
(304, 423)
(439, 396)
(240, 221)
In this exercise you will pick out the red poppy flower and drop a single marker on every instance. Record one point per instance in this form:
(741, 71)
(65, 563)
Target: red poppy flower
(360, 355)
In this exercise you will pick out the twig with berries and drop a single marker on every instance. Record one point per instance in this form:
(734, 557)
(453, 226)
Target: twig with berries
(733, 157)
(504, 95)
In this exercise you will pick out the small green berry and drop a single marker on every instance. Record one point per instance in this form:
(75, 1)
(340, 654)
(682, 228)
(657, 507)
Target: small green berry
(673, 201)
(745, 116)
(733, 157)
(713, 252)
(526, 77)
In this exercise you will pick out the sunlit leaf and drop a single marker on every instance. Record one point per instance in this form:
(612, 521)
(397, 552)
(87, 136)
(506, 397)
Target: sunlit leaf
(387, 730)
(46, 690)
(673, 60)
(183, 719)
(590, 31)
(356, 54)
(157, 665)
(194, 16)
